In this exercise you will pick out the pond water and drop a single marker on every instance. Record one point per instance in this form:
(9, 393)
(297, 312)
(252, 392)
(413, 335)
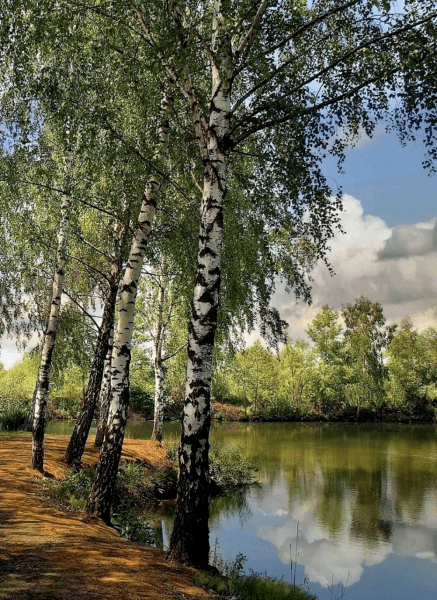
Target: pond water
(351, 505)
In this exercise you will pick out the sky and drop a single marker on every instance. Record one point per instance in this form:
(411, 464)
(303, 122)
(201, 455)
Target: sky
(389, 250)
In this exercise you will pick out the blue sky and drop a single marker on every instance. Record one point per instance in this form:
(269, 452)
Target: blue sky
(388, 179)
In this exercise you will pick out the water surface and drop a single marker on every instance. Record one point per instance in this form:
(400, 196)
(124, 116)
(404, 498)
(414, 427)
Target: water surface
(351, 505)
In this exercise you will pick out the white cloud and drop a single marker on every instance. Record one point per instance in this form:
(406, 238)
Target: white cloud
(10, 353)
(405, 285)
(340, 558)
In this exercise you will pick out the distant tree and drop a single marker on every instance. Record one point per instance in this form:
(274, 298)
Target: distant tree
(329, 384)
(18, 382)
(326, 333)
(297, 370)
(412, 368)
(254, 376)
(365, 338)
(161, 322)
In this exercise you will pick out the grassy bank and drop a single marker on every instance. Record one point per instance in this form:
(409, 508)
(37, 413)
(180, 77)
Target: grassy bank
(235, 584)
(143, 492)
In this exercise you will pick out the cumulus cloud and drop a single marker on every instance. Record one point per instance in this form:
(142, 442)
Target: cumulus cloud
(405, 285)
(409, 240)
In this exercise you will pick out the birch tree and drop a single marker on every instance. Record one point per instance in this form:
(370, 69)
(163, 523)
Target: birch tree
(77, 442)
(42, 388)
(163, 301)
(99, 501)
(105, 394)
(284, 43)
(76, 445)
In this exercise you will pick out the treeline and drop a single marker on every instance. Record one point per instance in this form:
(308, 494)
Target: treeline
(358, 369)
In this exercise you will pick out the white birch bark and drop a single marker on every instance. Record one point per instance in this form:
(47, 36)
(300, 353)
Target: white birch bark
(37, 457)
(99, 501)
(189, 541)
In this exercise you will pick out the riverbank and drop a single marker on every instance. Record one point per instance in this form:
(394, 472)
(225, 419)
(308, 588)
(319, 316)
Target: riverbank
(49, 552)
(229, 412)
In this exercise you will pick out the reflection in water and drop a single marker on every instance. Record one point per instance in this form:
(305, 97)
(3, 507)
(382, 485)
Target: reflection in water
(363, 497)
(358, 493)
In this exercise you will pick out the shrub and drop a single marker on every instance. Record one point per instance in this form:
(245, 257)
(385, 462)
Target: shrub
(131, 525)
(76, 487)
(227, 467)
(65, 406)
(227, 412)
(134, 487)
(14, 419)
(141, 399)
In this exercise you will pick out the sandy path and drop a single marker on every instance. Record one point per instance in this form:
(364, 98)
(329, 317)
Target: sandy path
(48, 553)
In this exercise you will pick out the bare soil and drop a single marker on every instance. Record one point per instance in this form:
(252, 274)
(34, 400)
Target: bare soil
(47, 553)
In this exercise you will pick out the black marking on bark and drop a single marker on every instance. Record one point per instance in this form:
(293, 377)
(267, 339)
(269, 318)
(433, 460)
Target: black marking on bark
(129, 287)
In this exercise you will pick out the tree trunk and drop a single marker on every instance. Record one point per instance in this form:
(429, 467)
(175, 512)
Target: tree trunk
(105, 395)
(158, 420)
(42, 388)
(189, 542)
(100, 499)
(32, 406)
(105, 391)
(158, 417)
(76, 446)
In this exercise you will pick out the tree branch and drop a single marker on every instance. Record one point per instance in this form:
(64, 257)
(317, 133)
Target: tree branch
(332, 65)
(200, 124)
(309, 24)
(86, 313)
(61, 191)
(259, 13)
(174, 353)
(291, 114)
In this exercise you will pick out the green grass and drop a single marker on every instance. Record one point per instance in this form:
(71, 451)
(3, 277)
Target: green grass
(250, 587)
(235, 585)
(13, 434)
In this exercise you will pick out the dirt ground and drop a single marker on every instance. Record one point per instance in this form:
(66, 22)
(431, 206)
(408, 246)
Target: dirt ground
(50, 554)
